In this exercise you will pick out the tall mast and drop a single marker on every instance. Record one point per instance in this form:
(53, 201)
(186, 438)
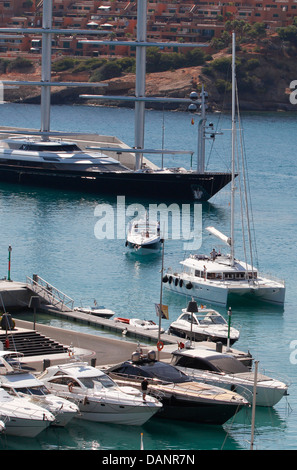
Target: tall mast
(201, 135)
(233, 148)
(46, 65)
(140, 79)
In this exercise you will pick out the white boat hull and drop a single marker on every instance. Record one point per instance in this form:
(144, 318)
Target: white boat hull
(269, 391)
(102, 411)
(25, 427)
(218, 292)
(145, 249)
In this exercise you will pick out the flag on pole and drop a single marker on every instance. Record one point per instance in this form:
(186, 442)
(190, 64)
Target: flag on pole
(163, 311)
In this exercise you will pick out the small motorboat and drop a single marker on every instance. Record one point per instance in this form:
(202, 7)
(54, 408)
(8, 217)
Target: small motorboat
(99, 398)
(224, 370)
(139, 323)
(25, 385)
(203, 324)
(144, 237)
(21, 417)
(98, 311)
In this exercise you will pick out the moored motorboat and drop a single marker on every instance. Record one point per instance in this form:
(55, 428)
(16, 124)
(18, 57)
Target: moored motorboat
(97, 310)
(139, 323)
(99, 398)
(203, 324)
(182, 398)
(224, 370)
(21, 417)
(25, 385)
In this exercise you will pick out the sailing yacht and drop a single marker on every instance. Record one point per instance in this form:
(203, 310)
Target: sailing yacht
(42, 158)
(216, 277)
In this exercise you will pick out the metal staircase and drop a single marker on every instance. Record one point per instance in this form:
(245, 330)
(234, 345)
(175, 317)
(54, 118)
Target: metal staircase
(49, 294)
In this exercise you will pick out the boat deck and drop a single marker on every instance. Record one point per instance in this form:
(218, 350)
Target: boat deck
(91, 140)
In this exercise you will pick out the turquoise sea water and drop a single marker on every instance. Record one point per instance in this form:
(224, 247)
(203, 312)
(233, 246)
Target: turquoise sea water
(52, 234)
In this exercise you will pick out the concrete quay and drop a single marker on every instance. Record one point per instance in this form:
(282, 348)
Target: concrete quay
(101, 350)
(88, 347)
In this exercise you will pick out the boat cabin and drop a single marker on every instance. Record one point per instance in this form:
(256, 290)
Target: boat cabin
(210, 361)
(40, 146)
(204, 267)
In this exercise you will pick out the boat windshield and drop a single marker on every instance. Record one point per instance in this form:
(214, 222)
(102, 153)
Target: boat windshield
(50, 147)
(97, 381)
(212, 318)
(158, 370)
(40, 390)
(229, 365)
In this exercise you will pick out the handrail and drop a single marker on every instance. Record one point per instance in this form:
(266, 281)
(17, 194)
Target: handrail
(50, 293)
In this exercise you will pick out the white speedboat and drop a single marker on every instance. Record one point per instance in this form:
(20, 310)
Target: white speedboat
(100, 399)
(98, 311)
(224, 370)
(220, 278)
(21, 417)
(204, 325)
(143, 237)
(139, 323)
(25, 385)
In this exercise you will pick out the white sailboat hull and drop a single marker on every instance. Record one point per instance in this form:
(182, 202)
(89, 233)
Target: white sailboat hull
(219, 292)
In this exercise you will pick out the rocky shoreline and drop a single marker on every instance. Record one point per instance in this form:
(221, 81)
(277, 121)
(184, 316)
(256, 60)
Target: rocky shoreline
(276, 74)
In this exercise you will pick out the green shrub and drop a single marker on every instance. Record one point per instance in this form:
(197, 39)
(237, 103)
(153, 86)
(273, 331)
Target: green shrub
(19, 64)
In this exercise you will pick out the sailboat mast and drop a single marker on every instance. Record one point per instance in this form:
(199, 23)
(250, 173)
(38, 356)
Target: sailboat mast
(201, 136)
(140, 80)
(46, 65)
(233, 149)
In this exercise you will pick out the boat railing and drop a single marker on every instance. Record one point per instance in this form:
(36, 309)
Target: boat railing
(50, 294)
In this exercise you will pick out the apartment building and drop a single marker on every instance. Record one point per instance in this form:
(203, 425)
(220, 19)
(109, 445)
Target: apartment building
(176, 21)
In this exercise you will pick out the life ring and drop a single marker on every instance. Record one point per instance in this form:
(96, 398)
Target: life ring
(160, 345)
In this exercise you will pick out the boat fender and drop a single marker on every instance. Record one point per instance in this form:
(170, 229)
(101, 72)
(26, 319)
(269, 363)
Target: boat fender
(170, 279)
(160, 345)
(181, 283)
(189, 285)
(176, 281)
(165, 278)
(126, 244)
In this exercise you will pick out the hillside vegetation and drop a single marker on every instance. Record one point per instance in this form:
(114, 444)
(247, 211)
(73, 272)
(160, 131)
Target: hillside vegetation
(266, 66)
